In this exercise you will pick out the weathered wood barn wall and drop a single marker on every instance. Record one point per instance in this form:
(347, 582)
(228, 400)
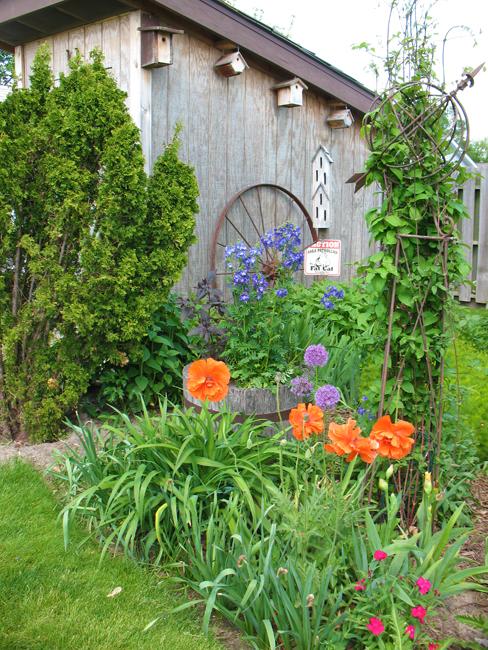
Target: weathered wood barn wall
(233, 132)
(474, 233)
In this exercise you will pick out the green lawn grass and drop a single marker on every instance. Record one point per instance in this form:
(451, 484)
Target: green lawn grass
(56, 600)
(467, 373)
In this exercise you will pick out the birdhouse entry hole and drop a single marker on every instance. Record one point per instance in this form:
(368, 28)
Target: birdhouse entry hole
(321, 199)
(316, 174)
(320, 162)
(325, 178)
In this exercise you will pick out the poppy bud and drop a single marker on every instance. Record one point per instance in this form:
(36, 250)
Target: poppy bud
(383, 485)
(428, 483)
(389, 472)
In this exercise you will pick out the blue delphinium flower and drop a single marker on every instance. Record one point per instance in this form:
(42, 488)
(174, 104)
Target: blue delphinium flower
(361, 410)
(328, 304)
(241, 277)
(332, 292)
(244, 262)
(244, 297)
(260, 284)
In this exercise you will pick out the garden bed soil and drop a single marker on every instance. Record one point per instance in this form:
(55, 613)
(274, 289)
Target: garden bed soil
(469, 603)
(41, 455)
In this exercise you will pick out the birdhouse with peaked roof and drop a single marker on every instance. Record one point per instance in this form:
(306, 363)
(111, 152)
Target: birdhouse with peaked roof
(321, 183)
(231, 64)
(340, 117)
(257, 127)
(290, 93)
(156, 43)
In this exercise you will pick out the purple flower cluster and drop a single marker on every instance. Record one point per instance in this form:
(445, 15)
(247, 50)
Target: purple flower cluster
(243, 261)
(260, 284)
(244, 257)
(316, 355)
(332, 292)
(327, 397)
(301, 386)
(364, 411)
(287, 241)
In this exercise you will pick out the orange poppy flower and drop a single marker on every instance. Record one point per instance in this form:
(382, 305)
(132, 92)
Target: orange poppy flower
(208, 379)
(393, 437)
(306, 420)
(343, 438)
(366, 449)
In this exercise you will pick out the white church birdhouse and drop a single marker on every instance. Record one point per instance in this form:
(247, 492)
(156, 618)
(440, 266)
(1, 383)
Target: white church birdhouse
(321, 183)
(290, 93)
(231, 64)
(340, 117)
(157, 45)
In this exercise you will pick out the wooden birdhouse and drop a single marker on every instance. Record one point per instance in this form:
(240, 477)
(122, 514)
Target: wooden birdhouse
(157, 45)
(340, 117)
(290, 93)
(231, 64)
(321, 183)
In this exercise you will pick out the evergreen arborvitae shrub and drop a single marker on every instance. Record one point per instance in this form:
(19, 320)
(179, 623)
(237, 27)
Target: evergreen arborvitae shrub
(89, 245)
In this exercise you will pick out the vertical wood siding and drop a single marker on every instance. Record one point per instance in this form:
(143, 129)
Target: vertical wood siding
(119, 40)
(233, 133)
(474, 233)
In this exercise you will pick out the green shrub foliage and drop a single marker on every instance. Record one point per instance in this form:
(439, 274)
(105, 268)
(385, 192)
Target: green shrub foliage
(89, 245)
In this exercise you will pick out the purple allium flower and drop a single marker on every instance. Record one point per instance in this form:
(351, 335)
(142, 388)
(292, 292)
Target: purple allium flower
(361, 411)
(301, 386)
(327, 397)
(244, 297)
(281, 293)
(316, 355)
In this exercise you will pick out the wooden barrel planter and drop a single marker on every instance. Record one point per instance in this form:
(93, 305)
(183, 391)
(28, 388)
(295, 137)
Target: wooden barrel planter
(260, 402)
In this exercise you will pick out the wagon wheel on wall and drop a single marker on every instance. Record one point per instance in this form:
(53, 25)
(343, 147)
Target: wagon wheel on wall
(250, 214)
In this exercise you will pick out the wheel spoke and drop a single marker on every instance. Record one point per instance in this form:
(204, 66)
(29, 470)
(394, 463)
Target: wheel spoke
(249, 215)
(243, 215)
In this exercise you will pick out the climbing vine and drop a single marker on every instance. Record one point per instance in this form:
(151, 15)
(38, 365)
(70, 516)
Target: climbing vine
(89, 245)
(419, 259)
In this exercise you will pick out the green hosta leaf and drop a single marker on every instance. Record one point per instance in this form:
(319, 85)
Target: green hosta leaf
(141, 382)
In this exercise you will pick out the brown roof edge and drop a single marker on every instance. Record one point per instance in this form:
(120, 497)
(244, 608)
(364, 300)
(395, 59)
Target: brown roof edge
(11, 9)
(255, 37)
(7, 47)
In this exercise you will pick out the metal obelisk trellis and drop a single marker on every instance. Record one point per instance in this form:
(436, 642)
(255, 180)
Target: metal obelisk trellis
(414, 134)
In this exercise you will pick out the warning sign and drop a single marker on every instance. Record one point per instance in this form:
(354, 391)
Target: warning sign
(323, 258)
